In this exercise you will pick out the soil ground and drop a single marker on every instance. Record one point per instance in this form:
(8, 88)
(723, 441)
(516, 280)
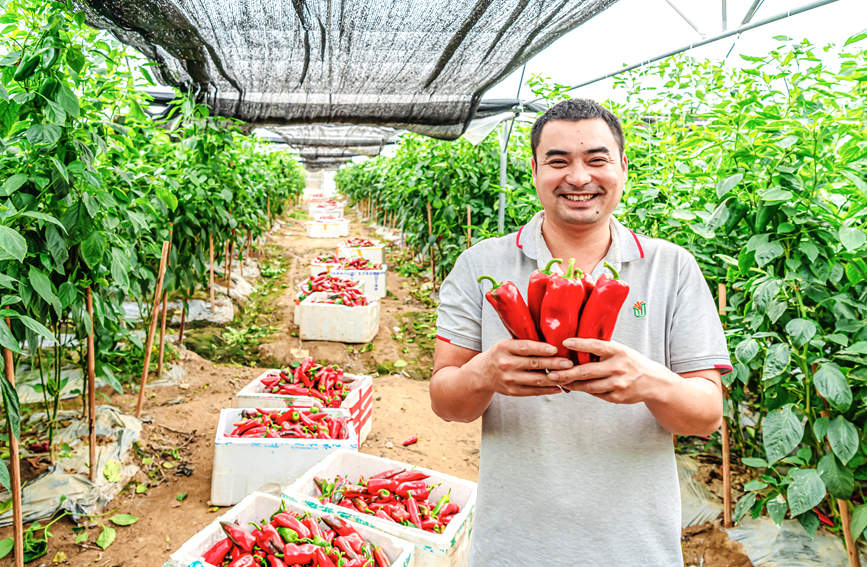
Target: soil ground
(176, 450)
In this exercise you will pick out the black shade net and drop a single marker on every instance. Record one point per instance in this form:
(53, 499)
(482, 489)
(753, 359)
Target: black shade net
(419, 65)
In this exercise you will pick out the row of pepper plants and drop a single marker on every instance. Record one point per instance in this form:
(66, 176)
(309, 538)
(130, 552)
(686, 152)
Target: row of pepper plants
(758, 170)
(91, 184)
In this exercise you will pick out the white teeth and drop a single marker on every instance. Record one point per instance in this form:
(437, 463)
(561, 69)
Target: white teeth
(579, 197)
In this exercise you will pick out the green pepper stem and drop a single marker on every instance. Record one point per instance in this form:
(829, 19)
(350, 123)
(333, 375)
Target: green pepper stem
(495, 283)
(613, 271)
(569, 274)
(547, 268)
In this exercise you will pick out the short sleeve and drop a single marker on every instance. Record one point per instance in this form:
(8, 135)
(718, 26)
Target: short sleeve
(696, 338)
(459, 317)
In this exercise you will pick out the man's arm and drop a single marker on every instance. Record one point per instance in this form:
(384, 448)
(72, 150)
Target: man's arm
(685, 404)
(464, 381)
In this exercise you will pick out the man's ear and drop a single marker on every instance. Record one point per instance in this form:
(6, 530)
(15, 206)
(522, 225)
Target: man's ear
(533, 169)
(625, 165)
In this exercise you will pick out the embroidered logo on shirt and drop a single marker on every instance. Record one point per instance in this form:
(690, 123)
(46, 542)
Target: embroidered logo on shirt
(639, 309)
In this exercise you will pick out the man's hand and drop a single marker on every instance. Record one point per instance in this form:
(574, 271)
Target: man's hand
(517, 368)
(622, 375)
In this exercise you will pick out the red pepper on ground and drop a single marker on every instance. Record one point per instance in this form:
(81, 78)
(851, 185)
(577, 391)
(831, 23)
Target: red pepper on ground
(561, 308)
(599, 315)
(536, 291)
(510, 306)
(410, 440)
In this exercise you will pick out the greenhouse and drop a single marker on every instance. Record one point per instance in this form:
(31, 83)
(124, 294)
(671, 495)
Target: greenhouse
(433, 283)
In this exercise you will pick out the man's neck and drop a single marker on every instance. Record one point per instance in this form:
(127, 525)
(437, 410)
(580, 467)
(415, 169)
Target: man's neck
(587, 244)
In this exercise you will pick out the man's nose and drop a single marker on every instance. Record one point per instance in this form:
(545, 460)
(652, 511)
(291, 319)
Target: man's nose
(577, 175)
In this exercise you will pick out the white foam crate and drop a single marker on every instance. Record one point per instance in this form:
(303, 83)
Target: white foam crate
(318, 212)
(448, 549)
(374, 253)
(370, 282)
(258, 505)
(243, 464)
(339, 323)
(317, 268)
(358, 402)
(329, 229)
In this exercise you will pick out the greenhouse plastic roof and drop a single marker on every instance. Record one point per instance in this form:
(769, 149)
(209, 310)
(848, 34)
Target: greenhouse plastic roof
(420, 65)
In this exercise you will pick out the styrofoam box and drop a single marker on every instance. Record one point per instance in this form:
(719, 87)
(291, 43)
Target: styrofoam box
(339, 323)
(358, 402)
(450, 548)
(373, 254)
(317, 268)
(371, 282)
(243, 464)
(330, 229)
(259, 505)
(317, 211)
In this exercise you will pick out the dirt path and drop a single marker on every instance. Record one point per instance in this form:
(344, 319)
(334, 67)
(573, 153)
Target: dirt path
(176, 451)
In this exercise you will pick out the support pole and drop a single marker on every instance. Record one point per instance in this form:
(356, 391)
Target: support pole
(152, 329)
(91, 388)
(15, 472)
(183, 321)
(726, 454)
(211, 268)
(846, 520)
(469, 226)
(433, 273)
(162, 334)
(501, 213)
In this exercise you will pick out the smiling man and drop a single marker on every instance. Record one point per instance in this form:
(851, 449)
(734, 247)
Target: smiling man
(587, 478)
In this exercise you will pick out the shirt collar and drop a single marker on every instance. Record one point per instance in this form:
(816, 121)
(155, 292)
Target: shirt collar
(625, 244)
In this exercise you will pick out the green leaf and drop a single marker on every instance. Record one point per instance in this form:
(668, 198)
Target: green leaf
(746, 350)
(82, 537)
(5, 479)
(777, 194)
(12, 184)
(141, 488)
(13, 246)
(820, 428)
(181, 497)
(36, 327)
(833, 386)
(854, 39)
(727, 184)
(11, 405)
(777, 509)
(68, 101)
(852, 238)
(782, 430)
(106, 538)
(42, 286)
(47, 134)
(43, 216)
(111, 471)
(859, 521)
(801, 331)
(810, 522)
(776, 361)
(754, 462)
(167, 197)
(8, 340)
(123, 519)
(755, 485)
(840, 481)
(843, 437)
(92, 249)
(806, 490)
(744, 504)
(119, 268)
(768, 251)
(858, 348)
(6, 546)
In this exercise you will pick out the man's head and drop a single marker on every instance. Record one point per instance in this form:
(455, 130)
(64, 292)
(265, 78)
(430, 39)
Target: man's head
(579, 164)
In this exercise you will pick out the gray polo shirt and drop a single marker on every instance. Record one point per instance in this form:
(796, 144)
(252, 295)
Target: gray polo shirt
(568, 478)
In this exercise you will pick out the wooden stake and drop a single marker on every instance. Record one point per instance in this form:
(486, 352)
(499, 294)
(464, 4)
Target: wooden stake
(162, 334)
(15, 473)
(152, 329)
(726, 455)
(183, 321)
(249, 244)
(229, 270)
(211, 273)
(851, 548)
(91, 389)
(469, 226)
(433, 273)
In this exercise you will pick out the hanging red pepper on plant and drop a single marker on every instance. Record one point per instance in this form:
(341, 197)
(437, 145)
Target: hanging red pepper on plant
(509, 305)
(601, 309)
(536, 290)
(561, 308)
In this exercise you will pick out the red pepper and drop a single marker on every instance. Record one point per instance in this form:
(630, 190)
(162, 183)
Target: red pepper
(412, 508)
(245, 561)
(404, 487)
(286, 520)
(344, 546)
(449, 509)
(268, 539)
(381, 557)
(374, 485)
(322, 560)
(338, 525)
(382, 514)
(430, 525)
(561, 308)
(398, 512)
(536, 291)
(409, 476)
(239, 537)
(274, 561)
(313, 526)
(601, 309)
(388, 474)
(410, 440)
(295, 553)
(218, 552)
(823, 518)
(510, 306)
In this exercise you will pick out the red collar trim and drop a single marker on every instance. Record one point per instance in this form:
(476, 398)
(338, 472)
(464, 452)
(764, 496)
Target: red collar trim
(637, 243)
(518, 238)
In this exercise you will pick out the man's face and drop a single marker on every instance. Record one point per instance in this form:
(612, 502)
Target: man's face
(578, 171)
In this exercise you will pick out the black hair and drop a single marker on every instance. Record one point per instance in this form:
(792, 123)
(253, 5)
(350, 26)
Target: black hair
(576, 109)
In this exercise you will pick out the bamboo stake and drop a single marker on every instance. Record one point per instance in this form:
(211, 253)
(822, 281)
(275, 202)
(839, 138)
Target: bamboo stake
(469, 226)
(152, 329)
(162, 334)
(433, 273)
(211, 273)
(15, 473)
(183, 321)
(91, 389)
(726, 455)
(229, 270)
(851, 549)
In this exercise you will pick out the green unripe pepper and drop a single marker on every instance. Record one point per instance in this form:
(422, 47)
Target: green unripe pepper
(26, 68)
(764, 216)
(49, 88)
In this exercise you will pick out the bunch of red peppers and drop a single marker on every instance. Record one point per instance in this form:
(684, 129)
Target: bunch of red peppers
(307, 378)
(359, 264)
(358, 242)
(397, 495)
(329, 284)
(559, 307)
(290, 539)
(290, 423)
